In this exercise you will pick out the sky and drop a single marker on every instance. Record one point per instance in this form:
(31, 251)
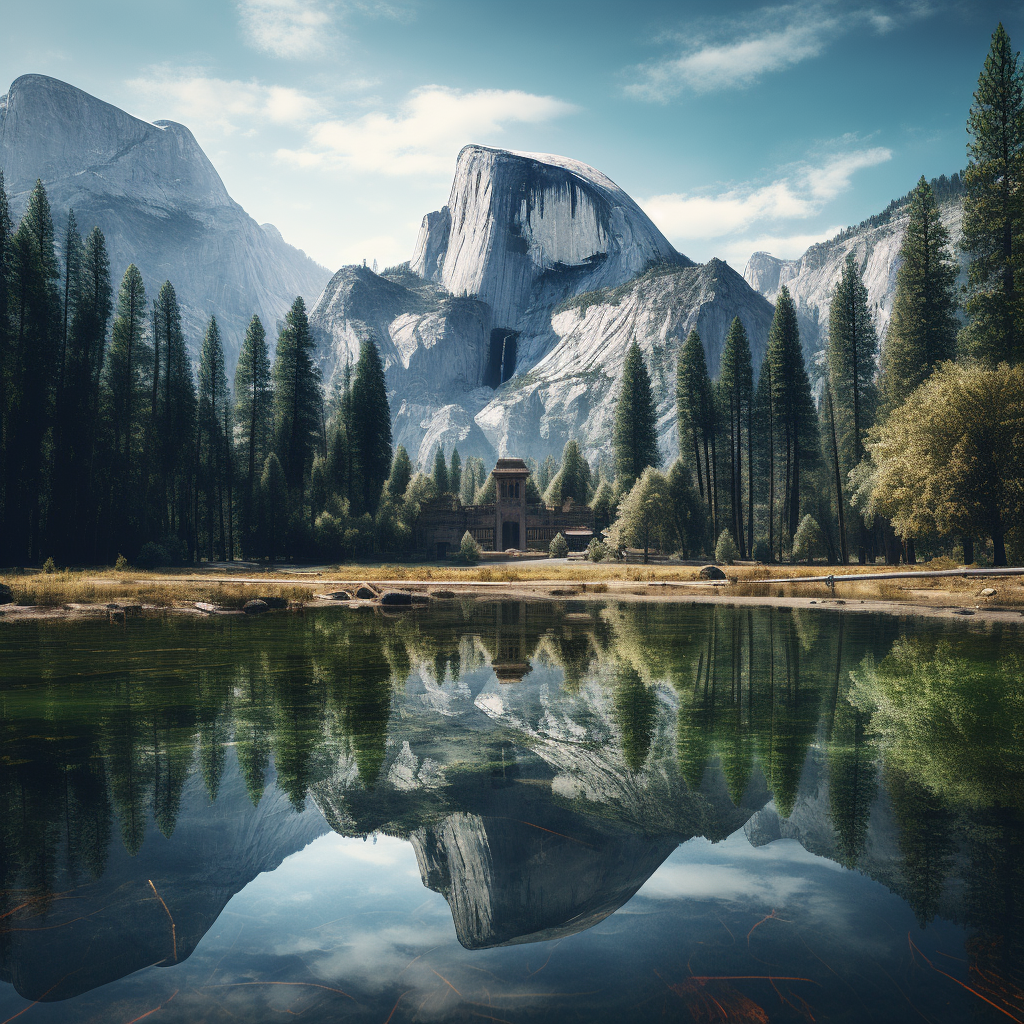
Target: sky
(737, 126)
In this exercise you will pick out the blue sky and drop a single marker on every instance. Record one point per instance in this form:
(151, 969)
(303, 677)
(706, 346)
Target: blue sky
(737, 126)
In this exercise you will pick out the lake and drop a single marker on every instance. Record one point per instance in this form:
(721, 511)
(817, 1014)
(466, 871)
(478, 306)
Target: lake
(513, 811)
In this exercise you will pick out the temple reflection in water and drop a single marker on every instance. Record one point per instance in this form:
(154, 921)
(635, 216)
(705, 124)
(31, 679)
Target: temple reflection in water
(542, 760)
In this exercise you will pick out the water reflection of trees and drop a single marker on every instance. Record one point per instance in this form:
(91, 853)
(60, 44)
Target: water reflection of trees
(932, 715)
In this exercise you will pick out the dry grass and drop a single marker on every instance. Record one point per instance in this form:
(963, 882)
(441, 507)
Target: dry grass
(62, 588)
(232, 587)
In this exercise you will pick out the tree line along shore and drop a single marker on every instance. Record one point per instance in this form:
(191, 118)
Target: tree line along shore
(115, 448)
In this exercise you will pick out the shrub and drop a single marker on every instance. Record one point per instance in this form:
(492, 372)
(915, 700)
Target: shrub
(725, 549)
(807, 541)
(49, 566)
(469, 549)
(762, 553)
(559, 547)
(121, 565)
(596, 550)
(151, 556)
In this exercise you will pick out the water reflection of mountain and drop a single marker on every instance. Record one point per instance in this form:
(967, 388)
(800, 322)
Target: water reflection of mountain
(543, 762)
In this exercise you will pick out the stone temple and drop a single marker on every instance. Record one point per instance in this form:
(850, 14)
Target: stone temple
(509, 524)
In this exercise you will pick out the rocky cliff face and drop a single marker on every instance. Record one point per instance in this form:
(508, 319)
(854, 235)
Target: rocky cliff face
(159, 202)
(875, 244)
(506, 332)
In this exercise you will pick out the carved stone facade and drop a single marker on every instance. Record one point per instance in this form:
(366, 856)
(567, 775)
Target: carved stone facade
(509, 523)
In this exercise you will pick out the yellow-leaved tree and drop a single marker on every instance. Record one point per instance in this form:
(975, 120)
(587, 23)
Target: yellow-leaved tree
(950, 459)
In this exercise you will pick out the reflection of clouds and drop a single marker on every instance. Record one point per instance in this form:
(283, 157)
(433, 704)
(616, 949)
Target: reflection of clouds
(708, 881)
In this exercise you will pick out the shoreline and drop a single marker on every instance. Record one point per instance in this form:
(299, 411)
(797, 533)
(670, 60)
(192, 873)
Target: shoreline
(302, 594)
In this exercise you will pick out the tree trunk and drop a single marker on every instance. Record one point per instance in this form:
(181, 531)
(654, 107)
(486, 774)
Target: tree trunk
(844, 553)
(998, 545)
(968, 550)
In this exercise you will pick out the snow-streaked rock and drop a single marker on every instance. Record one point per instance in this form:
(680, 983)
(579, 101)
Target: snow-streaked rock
(159, 202)
(554, 256)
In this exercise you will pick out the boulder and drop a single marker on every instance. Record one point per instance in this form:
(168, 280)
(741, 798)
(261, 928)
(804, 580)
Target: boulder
(445, 595)
(396, 597)
(337, 595)
(273, 602)
(6, 595)
(255, 607)
(989, 592)
(711, 572)
(365, 593)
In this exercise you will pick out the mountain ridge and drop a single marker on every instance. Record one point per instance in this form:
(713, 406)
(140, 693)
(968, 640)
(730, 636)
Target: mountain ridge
(160, 203)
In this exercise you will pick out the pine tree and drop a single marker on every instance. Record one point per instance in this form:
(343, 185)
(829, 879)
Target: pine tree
(31, 364)
(993, 213)
(86, 356)
(6, 232)
(440, 471)
(795, 428)
(66, 428)
(370, 433)
(254, 416)
(401, 473)
(174, 412)
(125, 398)
(695, 414)
(923, 326)
(572, 479)
(852, 352)
(635, 441)
(736, 401)
(212, 440)
(297, 398)
(455, 472)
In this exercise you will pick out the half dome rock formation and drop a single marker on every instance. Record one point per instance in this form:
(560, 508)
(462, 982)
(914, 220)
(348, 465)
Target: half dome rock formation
(513, 218)
(506, 332)
(160, 203)
(875, 244)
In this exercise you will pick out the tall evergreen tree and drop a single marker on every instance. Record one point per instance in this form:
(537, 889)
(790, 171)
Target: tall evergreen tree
(5, 358)
(852, 352)
(370, 433)
(695, 413)
(72, 253)
(440, 471)
(993, 214)
(635, 440)
(212, 440)
(66, 427)
(736, 402)
(455, 472)
(125, 399)
(297, 398)
(34, 318)
(923, 326)
(86, 357)
(795, 426)
(254, 419)
(174, 407)
(401, 473)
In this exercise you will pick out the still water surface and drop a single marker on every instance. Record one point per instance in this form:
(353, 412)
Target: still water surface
(513, 812)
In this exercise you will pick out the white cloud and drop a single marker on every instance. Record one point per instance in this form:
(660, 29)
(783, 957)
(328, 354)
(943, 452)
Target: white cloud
(742, 219)
(424, 135)
(287, 28)
(772, 39)
(732, 65)
(200, 101)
